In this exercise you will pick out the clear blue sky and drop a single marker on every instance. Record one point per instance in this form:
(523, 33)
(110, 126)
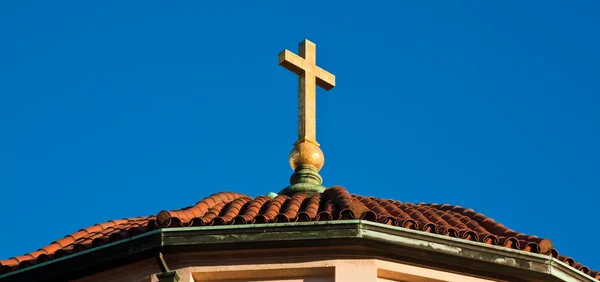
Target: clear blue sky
(121, 109)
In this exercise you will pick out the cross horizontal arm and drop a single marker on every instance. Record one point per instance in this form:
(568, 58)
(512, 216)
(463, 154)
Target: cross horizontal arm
(292, 62)
(298, 65)
(325, 79)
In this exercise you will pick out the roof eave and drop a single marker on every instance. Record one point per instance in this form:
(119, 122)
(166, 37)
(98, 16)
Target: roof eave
(430, 249)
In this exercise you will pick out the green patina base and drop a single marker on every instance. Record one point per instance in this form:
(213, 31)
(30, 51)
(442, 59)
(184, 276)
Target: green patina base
(306, 180)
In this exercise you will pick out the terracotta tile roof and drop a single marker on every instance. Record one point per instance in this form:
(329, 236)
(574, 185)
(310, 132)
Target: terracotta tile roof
(334, 203)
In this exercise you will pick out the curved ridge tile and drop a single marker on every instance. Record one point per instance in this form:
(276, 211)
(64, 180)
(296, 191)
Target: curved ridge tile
(252, 210)
(183, 216)
(290, 210)
(231, 210)
(310, 208)
(271, 209)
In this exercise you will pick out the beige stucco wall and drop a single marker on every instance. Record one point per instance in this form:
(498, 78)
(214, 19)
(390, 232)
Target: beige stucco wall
(199, 268)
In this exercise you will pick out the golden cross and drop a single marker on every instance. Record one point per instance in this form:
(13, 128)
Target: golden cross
(309, 75)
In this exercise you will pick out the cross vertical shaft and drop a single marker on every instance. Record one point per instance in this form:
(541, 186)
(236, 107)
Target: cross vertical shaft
(309, 75)
(307, 98)
(307, 109)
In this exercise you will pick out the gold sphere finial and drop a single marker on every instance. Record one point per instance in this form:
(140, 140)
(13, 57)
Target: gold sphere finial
(306, 152)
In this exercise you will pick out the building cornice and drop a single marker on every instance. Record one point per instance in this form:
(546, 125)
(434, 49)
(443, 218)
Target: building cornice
(384, 241)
